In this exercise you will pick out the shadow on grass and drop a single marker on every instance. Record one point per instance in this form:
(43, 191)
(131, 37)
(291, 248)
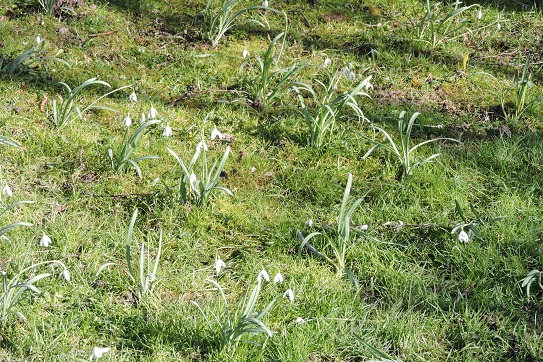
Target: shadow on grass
(147, 332)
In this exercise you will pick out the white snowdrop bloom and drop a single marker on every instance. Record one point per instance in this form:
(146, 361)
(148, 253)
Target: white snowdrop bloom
(38, 40)
(351, 76)
(463, 236)
(479, 14)
(133, 97)
(368, 85)
(192, 178)
(309, 223)
(152, 113)
(7, 191)
(498, 26)
(216, 134)
(345, 70)
(219, 265)
(265, 3)
(202, 145)
(278, 278)
(300, 320)
(245, 53)
(263, 274)
(364, 227)
(289, 293)
(65, 274)
(167, 131)
(45, 241)
(252, 169)
(327, 62)
(98, 352)
(127, 121)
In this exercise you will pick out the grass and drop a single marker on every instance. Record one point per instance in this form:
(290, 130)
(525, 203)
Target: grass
(422, 296)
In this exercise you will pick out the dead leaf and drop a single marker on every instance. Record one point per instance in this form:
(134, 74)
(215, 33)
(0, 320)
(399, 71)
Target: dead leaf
(43, 102)
(9, 15)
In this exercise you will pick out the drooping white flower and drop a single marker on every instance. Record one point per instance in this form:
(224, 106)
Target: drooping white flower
(98, 352)
(45, 241)
(265, 3)
(368, 85)
(479, 15)
(309, 223)
(7, 191)
(498, 26)
(252, 169)
(167, 131)
(219, 265)
(300, 320)
(463, 236)
(245, 53)
(263, 275)
(364, 227)
(38, 40)
(216, 134)
(289, 293)
(278, 278)
(152, 113)
(327, 62)
(65, 274)
(351, 76)
(133, 97)
(202, 145)
(192, 178)
(127, 121)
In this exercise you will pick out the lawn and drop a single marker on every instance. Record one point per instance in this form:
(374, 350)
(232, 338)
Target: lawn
(319, 180)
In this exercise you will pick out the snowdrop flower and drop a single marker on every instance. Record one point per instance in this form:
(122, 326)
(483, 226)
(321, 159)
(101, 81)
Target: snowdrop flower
(300, 320)
(7, 191)
(45, 241)
(289, 293)
(152, 113)
(245, 53)
(167, 131)
(349, 73)
(309, 223)
(327, 62)
(498, 26)
(127, 121)
(98, 352)
(479, 15)
(364, 227)
(265, 3)
(201, 145)
(192, 178)
(133, 97)
(463, 236)
(65, 274)
(278, 278)
(219, 265)
(368, 85)
(38, 40)
(263, 274)
(216, 134)
(252, 169)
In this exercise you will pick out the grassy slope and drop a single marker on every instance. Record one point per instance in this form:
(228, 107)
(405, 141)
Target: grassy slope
(424, 296)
